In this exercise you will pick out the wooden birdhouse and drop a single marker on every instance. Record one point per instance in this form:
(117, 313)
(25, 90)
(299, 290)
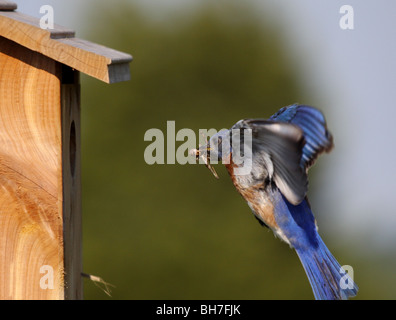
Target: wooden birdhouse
(40, 187)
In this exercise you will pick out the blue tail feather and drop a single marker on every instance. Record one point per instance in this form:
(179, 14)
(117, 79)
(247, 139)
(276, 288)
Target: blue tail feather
(298, 226)
(325, 274)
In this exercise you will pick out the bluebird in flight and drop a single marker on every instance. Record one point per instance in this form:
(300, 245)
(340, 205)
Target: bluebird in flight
(283, 148)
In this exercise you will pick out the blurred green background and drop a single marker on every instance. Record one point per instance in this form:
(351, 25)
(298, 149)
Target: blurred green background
(173, 231)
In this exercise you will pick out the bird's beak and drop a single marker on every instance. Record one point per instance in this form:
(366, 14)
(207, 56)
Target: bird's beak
(207, 164)
(205, 159)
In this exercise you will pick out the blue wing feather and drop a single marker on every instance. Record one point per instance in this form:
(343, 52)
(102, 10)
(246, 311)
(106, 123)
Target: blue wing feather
(317, 138)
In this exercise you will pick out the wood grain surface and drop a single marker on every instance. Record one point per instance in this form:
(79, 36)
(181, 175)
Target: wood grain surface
(31, 226)
(59, 44)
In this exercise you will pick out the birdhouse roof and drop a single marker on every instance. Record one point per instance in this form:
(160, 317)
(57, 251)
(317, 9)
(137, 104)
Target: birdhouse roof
(60, 44)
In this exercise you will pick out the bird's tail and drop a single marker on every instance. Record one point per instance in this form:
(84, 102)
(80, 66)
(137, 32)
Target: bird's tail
(328, 280)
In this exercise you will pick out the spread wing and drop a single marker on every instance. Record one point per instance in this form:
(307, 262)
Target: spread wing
(283, 142)
(313, 124)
